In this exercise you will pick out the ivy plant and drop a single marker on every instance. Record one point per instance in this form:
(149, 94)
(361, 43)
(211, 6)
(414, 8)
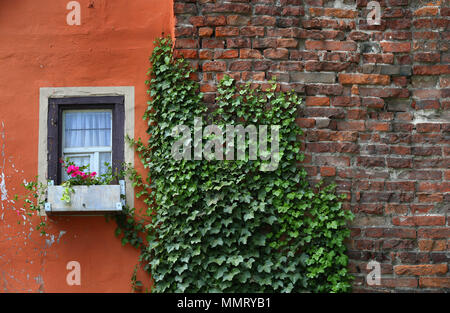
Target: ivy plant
(226, 225)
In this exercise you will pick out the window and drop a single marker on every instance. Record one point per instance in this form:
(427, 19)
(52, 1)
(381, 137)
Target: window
(86, 130)
(87, 138)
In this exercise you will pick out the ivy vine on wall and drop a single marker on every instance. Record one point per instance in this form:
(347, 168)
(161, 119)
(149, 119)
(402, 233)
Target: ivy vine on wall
(225, 225)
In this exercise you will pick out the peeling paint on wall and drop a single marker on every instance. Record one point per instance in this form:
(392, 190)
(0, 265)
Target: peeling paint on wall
(14, 238)
(3, 191)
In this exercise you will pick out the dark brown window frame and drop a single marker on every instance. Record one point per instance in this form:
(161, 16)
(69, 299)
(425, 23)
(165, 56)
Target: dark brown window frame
(56, 106)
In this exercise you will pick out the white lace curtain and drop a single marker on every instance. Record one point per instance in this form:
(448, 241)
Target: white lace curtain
(87, 129)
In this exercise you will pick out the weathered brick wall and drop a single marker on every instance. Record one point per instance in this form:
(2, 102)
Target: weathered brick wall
(376, 112)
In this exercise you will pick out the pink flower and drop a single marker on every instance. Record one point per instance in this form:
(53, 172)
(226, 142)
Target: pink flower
(93, 174)
(76, 173)
(84, 175)
(72, 168)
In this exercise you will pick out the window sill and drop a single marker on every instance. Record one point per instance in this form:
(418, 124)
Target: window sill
(86, 200)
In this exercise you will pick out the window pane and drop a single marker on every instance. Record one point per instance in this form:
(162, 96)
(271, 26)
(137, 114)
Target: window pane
(104, 157)
(87, 129)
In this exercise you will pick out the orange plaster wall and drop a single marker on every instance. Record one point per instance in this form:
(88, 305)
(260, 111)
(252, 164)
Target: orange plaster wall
(38, 49)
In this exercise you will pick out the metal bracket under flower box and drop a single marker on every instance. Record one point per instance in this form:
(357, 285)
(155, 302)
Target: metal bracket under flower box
(93, 199)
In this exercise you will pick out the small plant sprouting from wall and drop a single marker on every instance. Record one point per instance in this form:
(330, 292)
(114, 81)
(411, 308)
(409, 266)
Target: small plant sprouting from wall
(35, 195)
(226, 226)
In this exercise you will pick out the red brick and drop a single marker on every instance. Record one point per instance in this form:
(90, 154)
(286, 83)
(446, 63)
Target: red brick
(263, 21)
(186, 43)
(317, 101)
(431, 69)
(430, 198)
(399, 282)
(426, 35)
(331, 45)
(400, 185)
(364, 79)
(186, 53)
(363, 244)
(197, 21)
(378, 126)
(212, 43)
(396, 46)
(384, 92)
(241, 66)
(428, 127)
(287, 43)
(306, 122)
(399, 163)
(427, 94)
(418, 220)
(208, 88)
(434, 282)
(205, 31)
(331, 12)
(445, 11)
(267, 10)
(293, 11)
(398, 23)
(356, 114)
(206, 54)
(358, 36)
(333, 160)
(426, 11)
(432, 245)
(345, 101)
(434, 233)
(315, 66)
(423, 269)
(184, 8)
(219, 20)
(432, 186)
(427, 57)
(334, 89)
(390, 232)
(252, 31)
(328, 171)
(238, 43)
(369, 161)
(214, 66)
(396, 209)
(238, 20)
(227, 31)
(278, 53)
(368, 208)
(287, 66)
(387, 58)
(226, 54)
(351, 125)
(250, 54)
(375, 103)
(184, 31)
(227, 8)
